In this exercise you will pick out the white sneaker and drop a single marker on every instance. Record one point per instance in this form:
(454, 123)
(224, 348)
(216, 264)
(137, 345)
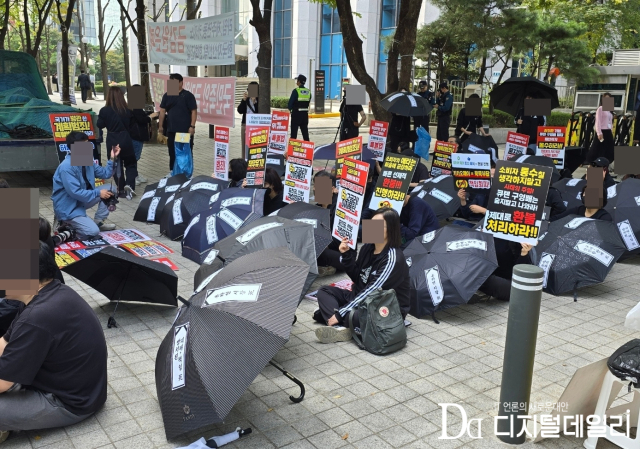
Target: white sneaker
(333, 334)
(141, 179)
(129, 192)
(106, 226)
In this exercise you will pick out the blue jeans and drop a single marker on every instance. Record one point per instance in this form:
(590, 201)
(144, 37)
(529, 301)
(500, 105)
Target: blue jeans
(137, 148)
(84, 226)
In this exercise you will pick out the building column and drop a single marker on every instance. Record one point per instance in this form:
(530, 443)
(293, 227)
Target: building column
(305, 39)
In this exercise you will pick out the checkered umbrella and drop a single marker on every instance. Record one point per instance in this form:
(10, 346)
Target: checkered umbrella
(155, 197)
(439, 193)
(624, 207)
(233, 326)
(318, 217)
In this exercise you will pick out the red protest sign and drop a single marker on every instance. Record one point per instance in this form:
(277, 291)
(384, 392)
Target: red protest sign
(279, 132)
(551, 143)
(516, 145)
(297, 178)
(256, 165)
(350, 201)
(221, 142)
(378, 132)
(351, 148)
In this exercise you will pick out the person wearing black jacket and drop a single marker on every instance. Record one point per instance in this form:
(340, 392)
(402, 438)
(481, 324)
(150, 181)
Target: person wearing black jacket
(237, 172)
(84, 83)
(467, 125)
(528, 125)
(424, 92)
(273, 196)
(399, 131)
(248, 105)
(378, 266)
(584, 211)
(417, 218)
(349, 123)
(140, 131)
(555, 202)
(607, 179)
(509, 254)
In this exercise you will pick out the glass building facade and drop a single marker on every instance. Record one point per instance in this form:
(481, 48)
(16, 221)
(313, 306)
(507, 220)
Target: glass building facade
(333, 59)
(388, 24)
(282, 26)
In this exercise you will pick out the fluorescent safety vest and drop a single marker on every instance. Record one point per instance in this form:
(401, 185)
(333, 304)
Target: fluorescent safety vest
(304, 98)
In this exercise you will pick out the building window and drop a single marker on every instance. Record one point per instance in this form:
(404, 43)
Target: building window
(333, 59)
(282, 24)
(388, 24)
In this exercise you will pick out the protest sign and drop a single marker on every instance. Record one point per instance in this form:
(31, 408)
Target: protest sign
(297, 174)
(208, 41)
(551, 142)
(256, 122)
(147, 248)
(350, 199)
(256, 165)
(516, 145)
(378, 132)
(441, 164)
(215, 97)
(167, 262)
(81, 244)
(65, 258)
(393, 182)
(516, 202)
(345, 284)
(221, 144)
(62, 123)
(123, 236)
(351, 148)
(279, 132)
(471, 171)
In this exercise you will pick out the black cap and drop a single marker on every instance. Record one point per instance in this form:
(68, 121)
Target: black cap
(301, 78)
(600, 162)
(422, 83)
(443, 85)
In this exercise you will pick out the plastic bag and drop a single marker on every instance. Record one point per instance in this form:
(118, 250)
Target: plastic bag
(422, 145)
(633, 318)
(184, 160)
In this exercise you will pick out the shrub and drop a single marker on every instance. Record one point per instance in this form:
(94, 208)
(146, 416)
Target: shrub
(489, 120)
(280, 102)
(558, 119)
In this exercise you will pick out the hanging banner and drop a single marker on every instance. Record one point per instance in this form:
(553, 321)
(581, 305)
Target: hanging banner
(73, 54)
(441, 164)
(350, 199)
(516, 145)
(215, 97)
(551, 142)
(297, 174)
(516, 202)
(208, 41)
(279, 132)
(393, 182)
(221, 144)
(351, 148)
(378, 132)
(471, 171)
(257, 163)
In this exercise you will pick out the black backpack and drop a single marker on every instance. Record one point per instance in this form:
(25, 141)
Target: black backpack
(139, 131)
(625, 363)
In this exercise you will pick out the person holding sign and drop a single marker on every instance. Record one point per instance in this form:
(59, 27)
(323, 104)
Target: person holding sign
(468, 124)
(417, 218)
(378, 266)
(473, 205)
(529, 124)
(509, 254)
(273, 195)
(248, 105)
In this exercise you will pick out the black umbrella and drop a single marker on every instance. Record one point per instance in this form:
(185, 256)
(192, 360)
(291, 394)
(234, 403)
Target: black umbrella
(624, 207)
(264, 233)
(447, 267)
(225, 336)
(276, 162)
(156, 196)
(440, 193)
(543, 161)
(484, 143)
(236, 207)
(406, 104)
(571, 191)
(316, 216)
(197, 196)
(121, 276)
(577, 252)
(509, 96)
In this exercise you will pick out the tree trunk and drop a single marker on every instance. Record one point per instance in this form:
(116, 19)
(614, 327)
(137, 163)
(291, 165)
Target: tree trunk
(353, 49)
(32, 47)
(141, 28)
(103, 50)
(46, 35)
(547, 76)
(192, 10)
(441, 74)
(81, 46)
(125, 50)
(483, 68)
(5, 24)
(64, 29)
(403, 46)
(261, 21)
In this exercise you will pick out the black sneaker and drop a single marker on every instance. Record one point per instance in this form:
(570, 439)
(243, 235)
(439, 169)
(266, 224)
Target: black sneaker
(317, 317)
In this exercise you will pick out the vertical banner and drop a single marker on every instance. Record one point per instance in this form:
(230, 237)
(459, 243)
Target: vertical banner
(256, 122)
(516, 202)
(297, 174)
(221, 162)
(350, 199)
(441, 164)
(257, 163)
(318, 98)
(551, 142)
(516, 145)
(378, 132)
(347, 148)
(471, 171)
(393, 182)
(279, 132)
(73, 54)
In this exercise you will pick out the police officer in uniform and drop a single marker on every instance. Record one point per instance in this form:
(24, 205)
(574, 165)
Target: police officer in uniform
(299, 108)
(424, 92)
(444, 105)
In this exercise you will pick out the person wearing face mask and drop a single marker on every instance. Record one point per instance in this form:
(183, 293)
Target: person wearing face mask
(248, 106)
(473, 205)
(237, 172)
(597, 213)
(273, 197)
(528, 125)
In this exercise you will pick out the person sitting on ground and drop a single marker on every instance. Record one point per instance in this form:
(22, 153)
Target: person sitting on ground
(273, 196)
(74, 192)
(378, 266)
(237, 172)
(8, 309)
(473, 205)
(509, 254)
(417, 218)
(53, 358)
(555, 202)
(607, 179)
(589, 212)
(421, 172)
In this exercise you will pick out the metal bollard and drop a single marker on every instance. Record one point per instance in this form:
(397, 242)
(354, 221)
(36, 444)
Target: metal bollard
(519, 351)
(212, 132)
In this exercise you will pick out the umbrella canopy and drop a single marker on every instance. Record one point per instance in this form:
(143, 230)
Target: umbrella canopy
(447, 267)
(264, 233)
(276, 162)
(439, 193)
(509, 96)
(226, 336)
(156, 196)
(328, 152)
(406, 104)
(316, 216)
(235, 208)
(543, 161)
(570, 190)
(577, 252)
(200, 194)
(624, 207)
(484, 143)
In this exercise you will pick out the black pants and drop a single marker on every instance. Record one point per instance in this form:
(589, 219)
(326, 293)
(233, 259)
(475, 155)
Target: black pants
(330, 299)
(330, 257)
(348, 132)
(602, 149)
(128, 172)
(499, 288)
(300, 120)
(171, 146)
(93, 89)
(442, 132)
(84, 94)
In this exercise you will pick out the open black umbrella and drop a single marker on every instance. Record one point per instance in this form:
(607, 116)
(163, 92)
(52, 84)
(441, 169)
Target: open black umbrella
(509, 96)
(543, 161)
(121, 276)
(276, 162)
(197, 196)
(225, 336)
(447, 267)
(624, 207)
(316, 216)
(570, 190)
(156, 196)
(235, 208)
(477, 142)
(439, 193)
(406, 104)
(577, 252)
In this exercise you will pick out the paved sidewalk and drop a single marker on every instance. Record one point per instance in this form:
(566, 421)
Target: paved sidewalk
(354, 399)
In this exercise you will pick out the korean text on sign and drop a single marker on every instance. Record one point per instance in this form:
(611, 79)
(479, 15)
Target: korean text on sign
(347, 148)
(471, 171)
(441, 164)
(393, 184)
(256, 165)
(279, 132)
(378, 138)
(516, 145)
(350, 199)
(551, 143)
(221, 153)
(297, 177)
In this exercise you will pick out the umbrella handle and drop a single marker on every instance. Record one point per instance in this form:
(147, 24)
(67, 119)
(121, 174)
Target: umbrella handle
(433, 317)
(184, 301)
(293, 378)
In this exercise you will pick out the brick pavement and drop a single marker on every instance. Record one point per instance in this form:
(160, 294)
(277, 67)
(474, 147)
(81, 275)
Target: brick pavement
(354, 399)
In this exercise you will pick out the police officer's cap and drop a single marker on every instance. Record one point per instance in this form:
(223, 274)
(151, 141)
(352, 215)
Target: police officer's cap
(301, 78)
(443, 85)
(422, 83)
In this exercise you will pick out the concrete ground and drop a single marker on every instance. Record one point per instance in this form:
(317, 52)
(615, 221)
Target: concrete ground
(353, 399)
